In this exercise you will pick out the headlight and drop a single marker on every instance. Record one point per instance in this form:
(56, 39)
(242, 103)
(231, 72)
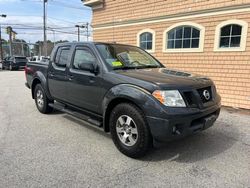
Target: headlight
(171, 98)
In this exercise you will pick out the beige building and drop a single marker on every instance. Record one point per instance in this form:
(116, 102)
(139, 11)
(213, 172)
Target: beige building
(208, 37)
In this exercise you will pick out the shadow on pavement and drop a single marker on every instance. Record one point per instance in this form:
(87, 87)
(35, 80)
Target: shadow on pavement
(201, 146)
(204, 145)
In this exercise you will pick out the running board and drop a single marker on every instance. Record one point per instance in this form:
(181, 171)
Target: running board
(63, 108)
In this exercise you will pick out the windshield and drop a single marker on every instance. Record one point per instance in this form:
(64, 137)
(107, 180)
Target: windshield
(126, 57)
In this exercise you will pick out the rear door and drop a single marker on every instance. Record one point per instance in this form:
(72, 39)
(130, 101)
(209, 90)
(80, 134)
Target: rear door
(84, 88)
(57, 78)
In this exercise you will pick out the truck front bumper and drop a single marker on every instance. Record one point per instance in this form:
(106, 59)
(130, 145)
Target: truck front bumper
(178, 124)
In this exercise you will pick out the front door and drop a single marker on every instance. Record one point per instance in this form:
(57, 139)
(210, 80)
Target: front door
(57, 78)
(84, 88)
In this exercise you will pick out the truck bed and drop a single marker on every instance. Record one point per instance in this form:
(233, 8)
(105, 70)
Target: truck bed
(34, 68)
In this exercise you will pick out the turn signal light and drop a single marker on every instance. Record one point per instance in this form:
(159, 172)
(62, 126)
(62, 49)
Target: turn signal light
(158, 95)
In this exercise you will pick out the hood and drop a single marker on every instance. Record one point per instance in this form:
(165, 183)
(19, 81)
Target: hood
(167, 78)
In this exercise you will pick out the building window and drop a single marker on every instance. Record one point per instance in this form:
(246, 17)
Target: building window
(231, 36)
(146, 40)
(184, 37)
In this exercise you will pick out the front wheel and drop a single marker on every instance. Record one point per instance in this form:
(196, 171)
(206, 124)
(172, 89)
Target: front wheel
(129, 130)
(42, 101)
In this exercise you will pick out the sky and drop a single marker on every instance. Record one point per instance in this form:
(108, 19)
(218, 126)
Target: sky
(26, 18)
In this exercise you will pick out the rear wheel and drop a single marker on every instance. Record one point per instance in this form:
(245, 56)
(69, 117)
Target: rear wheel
(129, 130)
(10, 67)
(42, 101)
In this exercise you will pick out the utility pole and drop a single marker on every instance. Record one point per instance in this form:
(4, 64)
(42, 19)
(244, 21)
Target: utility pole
(9, 32)
(83, 26)
(78, 31)
(22, 49)
(44, 27)
(54, 35)
(1, 45)
(87, 28)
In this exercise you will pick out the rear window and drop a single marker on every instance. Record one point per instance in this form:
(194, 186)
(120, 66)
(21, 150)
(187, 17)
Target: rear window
(19, 59)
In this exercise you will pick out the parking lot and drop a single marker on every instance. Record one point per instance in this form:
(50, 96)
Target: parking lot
(57, 150)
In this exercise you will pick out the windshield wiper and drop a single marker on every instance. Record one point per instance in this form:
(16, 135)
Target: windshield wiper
(148, 66)
(124, 67)
(136, 67)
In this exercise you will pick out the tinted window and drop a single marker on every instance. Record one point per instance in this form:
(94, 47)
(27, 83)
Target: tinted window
(82, 56)
(183, 37)
(62, 57)
(230, 36)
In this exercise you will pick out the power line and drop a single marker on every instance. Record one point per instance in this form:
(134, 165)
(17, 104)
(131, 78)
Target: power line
(62, 20)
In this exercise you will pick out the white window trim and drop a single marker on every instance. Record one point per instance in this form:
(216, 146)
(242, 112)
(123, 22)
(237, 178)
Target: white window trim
(243, 40)
(192, 24)
(153, 39)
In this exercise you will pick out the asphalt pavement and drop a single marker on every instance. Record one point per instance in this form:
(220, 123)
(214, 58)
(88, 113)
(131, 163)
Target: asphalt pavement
(56, 150)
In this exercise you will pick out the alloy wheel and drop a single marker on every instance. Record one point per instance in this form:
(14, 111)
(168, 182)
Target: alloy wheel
(127, 130)
(39, 98)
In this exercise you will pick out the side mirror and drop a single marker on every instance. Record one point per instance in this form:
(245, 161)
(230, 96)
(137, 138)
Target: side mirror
(88, 66)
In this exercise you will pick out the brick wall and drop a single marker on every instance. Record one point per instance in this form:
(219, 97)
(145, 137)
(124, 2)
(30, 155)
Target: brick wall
(229, 70)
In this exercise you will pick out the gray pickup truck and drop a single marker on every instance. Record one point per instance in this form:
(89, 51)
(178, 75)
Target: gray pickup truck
(125, 91)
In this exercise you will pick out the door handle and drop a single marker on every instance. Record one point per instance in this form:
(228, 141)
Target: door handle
(71, 77)
(51, 74)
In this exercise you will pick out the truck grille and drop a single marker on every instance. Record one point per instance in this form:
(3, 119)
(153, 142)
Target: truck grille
(190, 99)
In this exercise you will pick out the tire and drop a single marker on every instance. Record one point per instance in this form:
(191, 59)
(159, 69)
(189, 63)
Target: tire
(125, 121)
(42, 101)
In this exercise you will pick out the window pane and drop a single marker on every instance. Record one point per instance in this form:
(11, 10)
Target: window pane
(225, 31)
(171, 44)
(171, 34)
(179, 32)
(82, 56)
(187, 32)
(235, 42)
(63, 58)
(186, 43)
(149, 45)
(236, 30)
(196, 33)
(195, 43)
(143, 37)
(178, 44)
(224, 42)
(149, 36)
(143, 45)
